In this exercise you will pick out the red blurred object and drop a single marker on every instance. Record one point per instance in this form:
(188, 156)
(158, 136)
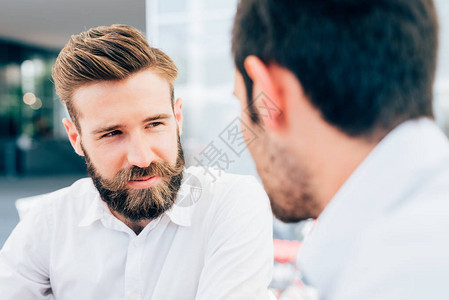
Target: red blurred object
(286, 251)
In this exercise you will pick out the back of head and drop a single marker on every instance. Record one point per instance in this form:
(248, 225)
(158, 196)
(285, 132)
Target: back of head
(365, 65)
(106, 53)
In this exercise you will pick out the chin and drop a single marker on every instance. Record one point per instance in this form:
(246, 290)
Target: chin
(290, 209)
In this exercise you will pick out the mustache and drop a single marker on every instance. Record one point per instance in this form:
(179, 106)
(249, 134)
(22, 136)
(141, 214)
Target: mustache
(156, 168)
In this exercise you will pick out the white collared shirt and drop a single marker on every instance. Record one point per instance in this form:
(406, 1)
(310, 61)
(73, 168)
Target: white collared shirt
(217, 246)
(385, 234)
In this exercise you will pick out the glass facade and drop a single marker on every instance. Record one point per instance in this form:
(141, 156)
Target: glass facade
(30, 112)
(26, 92)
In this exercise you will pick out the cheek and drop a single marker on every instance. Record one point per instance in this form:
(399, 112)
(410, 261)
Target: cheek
(107, 162)
(166, 148)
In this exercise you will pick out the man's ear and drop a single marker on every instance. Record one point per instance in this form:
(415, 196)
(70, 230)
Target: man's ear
(266, 94)
(74, 137)
(178, 113)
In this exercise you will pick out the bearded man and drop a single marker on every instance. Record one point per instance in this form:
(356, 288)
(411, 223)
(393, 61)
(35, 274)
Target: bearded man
(143, 226)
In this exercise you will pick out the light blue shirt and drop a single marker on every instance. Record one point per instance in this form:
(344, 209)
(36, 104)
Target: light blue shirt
(385, 234)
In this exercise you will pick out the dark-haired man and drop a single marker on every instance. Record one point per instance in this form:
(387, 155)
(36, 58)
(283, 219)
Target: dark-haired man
(339, 93)
(144, 227)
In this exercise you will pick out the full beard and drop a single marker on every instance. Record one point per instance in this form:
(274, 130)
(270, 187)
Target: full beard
(140, 204)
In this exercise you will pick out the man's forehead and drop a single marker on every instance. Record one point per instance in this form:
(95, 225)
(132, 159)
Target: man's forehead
(143, 80)
(145, 85)
(100, 101)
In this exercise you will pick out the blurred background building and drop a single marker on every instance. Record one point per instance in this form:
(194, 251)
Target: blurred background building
(35, 155)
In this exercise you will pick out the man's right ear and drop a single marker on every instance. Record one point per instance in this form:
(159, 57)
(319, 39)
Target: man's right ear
(74, 137)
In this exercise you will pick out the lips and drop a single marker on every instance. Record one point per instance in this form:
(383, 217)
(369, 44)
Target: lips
(144, 182)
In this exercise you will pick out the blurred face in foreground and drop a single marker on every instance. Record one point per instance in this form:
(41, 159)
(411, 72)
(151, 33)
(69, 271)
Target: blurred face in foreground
(129, 135)
(287, 179)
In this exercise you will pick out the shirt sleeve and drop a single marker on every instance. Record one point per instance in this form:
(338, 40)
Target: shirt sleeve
(24, 260)
(239, 255)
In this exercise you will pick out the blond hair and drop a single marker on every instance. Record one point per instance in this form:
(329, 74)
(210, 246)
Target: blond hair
(106, 53)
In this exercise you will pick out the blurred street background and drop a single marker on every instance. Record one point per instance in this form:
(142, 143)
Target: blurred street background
(35, 155)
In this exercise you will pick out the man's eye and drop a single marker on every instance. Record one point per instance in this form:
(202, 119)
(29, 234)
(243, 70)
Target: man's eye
(112, 133)
(154, 124)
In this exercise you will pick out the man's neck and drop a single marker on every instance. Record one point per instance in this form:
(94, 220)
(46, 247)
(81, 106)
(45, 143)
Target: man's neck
(328, 154)
(136, 226)
(335, 160)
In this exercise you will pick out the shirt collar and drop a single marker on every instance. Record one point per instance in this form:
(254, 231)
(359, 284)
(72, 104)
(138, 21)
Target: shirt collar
(186, 200)
(181, 216)
(180, 213)
(413, 145)
(96, 211)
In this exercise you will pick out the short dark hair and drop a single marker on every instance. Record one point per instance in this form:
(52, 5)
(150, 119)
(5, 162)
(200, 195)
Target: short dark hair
(106, 53)
(365, 65)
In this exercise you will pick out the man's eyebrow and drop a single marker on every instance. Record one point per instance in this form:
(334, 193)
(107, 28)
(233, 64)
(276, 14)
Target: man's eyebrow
(105, 129)
(157, 117)
(115, 127)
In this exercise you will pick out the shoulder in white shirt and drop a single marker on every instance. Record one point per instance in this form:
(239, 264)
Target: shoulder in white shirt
(384, 234)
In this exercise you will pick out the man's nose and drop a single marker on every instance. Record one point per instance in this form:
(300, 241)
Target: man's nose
(140, 153)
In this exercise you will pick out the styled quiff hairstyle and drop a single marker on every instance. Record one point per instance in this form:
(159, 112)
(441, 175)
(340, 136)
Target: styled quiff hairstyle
(106, 53)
